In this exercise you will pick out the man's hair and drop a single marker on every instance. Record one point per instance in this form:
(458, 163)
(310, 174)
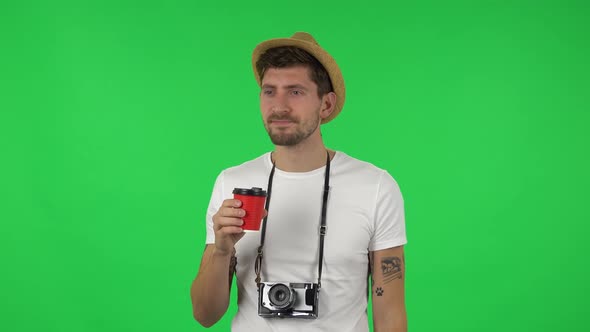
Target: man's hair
(290, 56)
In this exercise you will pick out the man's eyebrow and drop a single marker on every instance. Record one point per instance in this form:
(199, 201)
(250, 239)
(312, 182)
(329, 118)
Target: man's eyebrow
(290, 86)
(295, 86)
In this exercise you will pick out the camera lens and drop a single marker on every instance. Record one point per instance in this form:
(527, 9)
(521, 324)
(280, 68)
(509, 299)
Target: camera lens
(281, 296)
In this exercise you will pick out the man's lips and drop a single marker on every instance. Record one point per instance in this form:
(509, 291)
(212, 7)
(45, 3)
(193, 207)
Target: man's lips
(281, 122)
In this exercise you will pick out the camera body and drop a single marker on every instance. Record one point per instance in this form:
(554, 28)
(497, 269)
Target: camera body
(288, 300)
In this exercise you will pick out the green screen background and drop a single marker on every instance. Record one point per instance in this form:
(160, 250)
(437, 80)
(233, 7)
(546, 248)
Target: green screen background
(116, 117)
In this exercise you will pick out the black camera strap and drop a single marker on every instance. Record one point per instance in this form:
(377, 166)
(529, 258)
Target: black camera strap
(322, 229)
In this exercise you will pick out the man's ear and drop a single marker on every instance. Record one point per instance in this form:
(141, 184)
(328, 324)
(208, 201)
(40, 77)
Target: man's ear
(328, 104)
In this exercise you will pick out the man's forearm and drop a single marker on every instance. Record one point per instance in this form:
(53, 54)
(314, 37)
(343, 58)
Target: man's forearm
(210, 289)
(388, 276)
(395, 321)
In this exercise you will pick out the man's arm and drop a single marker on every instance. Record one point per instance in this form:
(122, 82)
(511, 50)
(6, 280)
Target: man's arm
(387, 279)
(210, 291)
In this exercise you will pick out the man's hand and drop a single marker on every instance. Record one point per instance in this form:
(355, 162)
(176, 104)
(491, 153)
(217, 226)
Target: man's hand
(227, 224)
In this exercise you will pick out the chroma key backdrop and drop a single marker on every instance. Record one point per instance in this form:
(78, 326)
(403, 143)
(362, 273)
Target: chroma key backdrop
(116, 117)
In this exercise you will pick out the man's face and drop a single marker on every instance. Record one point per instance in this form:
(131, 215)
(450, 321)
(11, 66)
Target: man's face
(290, 105)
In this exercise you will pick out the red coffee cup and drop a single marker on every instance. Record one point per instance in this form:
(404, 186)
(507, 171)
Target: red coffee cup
(253, 203)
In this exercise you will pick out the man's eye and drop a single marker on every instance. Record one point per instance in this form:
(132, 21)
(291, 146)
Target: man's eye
(297, 92)
(266, 92)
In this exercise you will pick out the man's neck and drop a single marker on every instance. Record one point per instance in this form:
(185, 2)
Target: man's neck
(300, 158)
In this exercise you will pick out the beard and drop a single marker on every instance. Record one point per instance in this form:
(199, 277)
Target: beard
(300, 132)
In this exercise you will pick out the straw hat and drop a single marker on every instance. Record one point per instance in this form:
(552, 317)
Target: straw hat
(306, 42)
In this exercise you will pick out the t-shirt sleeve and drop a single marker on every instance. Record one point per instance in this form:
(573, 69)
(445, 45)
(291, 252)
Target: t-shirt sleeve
(390, 225)
(214, 204)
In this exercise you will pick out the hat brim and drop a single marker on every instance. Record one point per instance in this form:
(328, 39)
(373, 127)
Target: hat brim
(320, 54)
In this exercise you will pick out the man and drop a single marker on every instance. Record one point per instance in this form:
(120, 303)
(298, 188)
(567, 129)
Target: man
(362, 207)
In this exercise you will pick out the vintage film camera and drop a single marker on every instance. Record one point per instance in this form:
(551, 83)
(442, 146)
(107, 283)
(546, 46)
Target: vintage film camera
(283, 299)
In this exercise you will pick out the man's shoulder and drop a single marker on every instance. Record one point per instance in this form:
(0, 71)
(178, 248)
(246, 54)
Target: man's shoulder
(364, 172)
(353, 164)
(252, 165)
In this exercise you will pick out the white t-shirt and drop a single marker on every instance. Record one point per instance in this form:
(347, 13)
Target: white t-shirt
(364, 213)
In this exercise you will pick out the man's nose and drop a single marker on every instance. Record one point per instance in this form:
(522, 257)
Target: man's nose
(280, 105)
(280, 109)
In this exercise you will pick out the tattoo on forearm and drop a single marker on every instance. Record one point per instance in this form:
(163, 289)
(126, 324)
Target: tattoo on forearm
(232, 266)
(392, 268)
(379, 291)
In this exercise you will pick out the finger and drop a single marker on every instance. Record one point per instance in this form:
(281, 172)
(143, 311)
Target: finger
(231, 203)
(232, 212)
(228, 221)
(229, 230)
